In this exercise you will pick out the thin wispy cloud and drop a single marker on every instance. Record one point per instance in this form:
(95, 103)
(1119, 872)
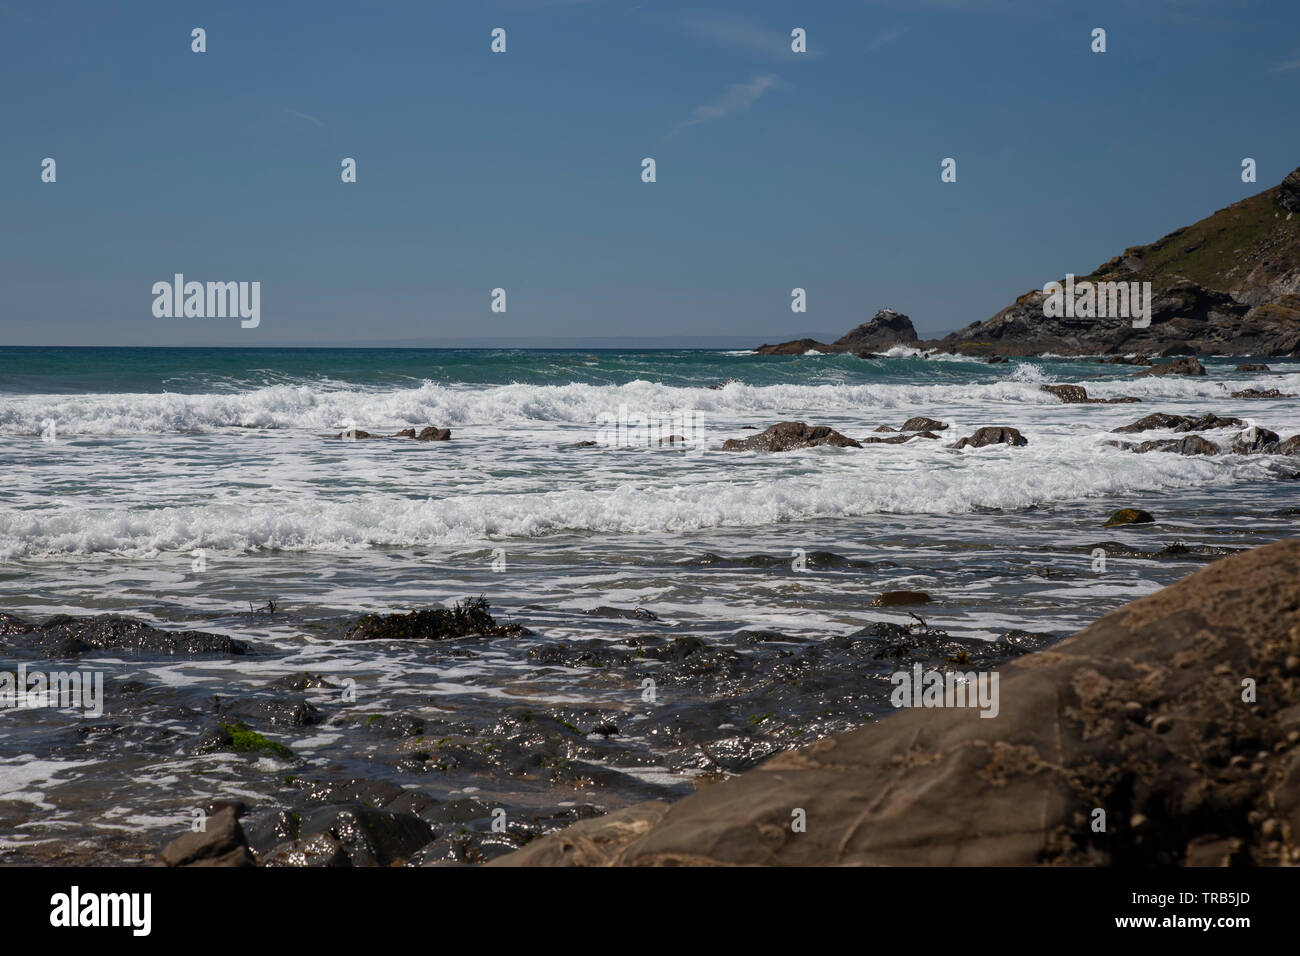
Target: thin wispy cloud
(307, 116)
(739, 33)
(1287, 67)
(886, 37)
(739, 96)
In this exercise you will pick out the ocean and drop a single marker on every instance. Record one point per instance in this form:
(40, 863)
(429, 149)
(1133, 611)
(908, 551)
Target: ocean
(204, 489)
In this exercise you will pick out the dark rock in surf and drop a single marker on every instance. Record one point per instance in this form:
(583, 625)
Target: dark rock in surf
(1191, 445)
(1078, 395)
(922, 424)
(1250, 367)
(353, 835)
(990, 435)
(1180, 423)
(786, 436)
(1255, 441)
(899, 598)
(272, 711)
(1180, 366)
(1261, 393)
(1124, 360)
(67, 636)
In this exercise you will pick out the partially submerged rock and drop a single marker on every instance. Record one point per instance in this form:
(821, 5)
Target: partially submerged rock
(67, 636)
(785, 436)
(990, 435)
(1129, 516)
(428, 433)
(1191, 445)
(1187, 365)
(1252, 441)
(237, 737)
(923, 424)
(353, 835)
(1180, 423)
(1261, 393)
(897, 598)
(1078, 395)
(1252, 367)
(1255, 441)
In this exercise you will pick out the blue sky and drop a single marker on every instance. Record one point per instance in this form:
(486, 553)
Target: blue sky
(522, 170)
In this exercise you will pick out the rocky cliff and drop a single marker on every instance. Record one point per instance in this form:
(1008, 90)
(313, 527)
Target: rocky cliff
(1227, 285)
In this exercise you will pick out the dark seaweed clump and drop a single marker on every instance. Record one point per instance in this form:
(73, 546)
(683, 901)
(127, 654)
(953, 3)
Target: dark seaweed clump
(471, 617)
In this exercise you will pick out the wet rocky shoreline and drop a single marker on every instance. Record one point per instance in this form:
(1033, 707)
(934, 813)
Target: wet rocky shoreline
(695, 710)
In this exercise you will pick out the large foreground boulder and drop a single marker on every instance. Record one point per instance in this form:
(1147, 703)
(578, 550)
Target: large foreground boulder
(1168, 732)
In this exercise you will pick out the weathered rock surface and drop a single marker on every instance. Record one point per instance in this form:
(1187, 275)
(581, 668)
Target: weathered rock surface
(920, 423)
(1251, 441)
(1191, 445)
(886, 329)
(220, 843)
(796, 347)
(1180, 423)
(785, 436)
(992, 436)
(1144, 715)
(1078, 395)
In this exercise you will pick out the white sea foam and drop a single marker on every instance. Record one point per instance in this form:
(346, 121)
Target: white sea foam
(716, 490)
(325, 409)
